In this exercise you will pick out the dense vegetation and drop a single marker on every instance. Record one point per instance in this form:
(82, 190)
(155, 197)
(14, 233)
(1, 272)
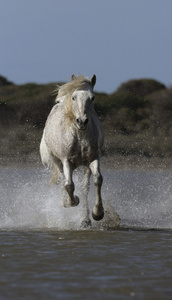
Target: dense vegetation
(137, 118)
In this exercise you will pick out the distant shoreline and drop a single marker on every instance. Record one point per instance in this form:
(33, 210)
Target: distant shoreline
(136, 119)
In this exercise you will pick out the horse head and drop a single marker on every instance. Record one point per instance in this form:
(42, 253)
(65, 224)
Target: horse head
(83, 103)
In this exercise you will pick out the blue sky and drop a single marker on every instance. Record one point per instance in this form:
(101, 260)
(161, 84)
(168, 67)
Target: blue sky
(47, 40)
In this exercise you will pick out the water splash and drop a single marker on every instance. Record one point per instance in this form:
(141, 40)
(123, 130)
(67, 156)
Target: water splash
(142, 199)
(29, 201)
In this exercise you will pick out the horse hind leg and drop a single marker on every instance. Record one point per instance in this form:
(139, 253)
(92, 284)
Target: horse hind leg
(69, 185)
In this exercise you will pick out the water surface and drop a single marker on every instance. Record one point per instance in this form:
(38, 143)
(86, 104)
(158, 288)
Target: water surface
(45, 254)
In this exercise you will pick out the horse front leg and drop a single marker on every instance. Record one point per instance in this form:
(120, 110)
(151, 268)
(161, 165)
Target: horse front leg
(85, 189)
(69, 185)
(98, 211)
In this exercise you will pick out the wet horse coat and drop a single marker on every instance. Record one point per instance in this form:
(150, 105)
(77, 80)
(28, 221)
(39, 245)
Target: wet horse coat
(73, 136)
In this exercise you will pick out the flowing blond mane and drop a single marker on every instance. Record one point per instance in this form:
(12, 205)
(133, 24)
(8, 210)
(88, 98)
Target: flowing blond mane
(77, 83)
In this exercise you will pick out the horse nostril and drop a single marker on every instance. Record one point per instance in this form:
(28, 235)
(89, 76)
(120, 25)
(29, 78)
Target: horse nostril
(82, 124)
(85, 122)
(78, 121)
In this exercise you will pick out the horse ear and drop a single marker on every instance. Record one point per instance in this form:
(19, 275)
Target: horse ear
(93, 80)
(73, 77)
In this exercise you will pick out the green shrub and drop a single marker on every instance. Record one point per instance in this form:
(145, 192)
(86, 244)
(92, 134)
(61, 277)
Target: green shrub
(141, 87)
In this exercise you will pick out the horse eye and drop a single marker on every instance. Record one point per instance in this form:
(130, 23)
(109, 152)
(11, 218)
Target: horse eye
(92, 99)
(73, 98)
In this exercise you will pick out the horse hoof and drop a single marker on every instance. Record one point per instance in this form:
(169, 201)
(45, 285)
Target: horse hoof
(86, 224)
(98, 217)
(75, 202)
(67, 204)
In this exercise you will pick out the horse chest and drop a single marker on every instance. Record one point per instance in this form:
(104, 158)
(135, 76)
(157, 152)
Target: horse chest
(82, 151)
(85, 149)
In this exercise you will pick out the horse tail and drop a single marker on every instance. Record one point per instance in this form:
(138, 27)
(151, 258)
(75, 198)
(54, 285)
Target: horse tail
(55, 178)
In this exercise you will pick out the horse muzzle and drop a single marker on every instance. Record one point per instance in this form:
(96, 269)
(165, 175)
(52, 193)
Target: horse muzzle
(82, 123)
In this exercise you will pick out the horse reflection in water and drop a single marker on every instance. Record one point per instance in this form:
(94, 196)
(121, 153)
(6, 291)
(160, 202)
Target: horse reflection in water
(73, 136)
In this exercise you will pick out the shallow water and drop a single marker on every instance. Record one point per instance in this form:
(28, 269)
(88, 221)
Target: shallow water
(86, 264)
(141, 199)
(45, 254)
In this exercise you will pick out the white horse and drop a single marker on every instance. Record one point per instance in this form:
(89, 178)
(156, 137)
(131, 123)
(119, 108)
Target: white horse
(73, 136)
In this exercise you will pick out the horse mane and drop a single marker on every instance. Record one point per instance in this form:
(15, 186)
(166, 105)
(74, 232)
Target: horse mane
(77, 83)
